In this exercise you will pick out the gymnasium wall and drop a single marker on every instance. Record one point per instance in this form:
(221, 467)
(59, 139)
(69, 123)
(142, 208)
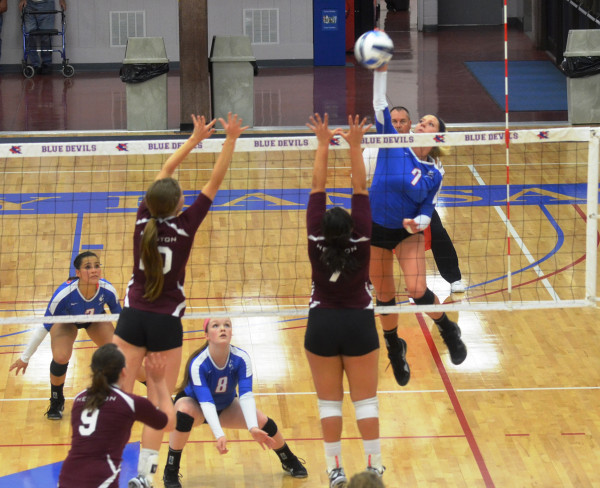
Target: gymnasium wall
(88, 32)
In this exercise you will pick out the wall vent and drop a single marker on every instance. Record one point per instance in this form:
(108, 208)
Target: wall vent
(124, 25)
(261, 25)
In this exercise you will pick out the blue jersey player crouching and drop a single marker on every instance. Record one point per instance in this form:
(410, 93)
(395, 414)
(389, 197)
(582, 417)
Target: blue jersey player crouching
(84, 294)
(207, 394)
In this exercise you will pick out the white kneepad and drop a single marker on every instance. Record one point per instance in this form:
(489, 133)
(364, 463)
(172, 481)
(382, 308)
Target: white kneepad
(367, 408)
(329, 408)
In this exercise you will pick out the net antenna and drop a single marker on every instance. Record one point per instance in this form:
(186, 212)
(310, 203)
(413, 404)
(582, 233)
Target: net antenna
(507, 142)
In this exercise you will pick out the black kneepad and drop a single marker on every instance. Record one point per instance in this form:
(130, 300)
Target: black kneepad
(270, 427)
(185, 422)
(389, 303)
(57, 369)
(427, 299)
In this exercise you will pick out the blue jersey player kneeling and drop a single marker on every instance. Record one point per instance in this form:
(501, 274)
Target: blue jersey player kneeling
(207, 394)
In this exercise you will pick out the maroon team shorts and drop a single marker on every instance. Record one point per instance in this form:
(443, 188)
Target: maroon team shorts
(346, 332)
(154, 331)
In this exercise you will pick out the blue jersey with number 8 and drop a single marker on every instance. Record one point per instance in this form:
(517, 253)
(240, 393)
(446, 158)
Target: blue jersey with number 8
(209, 383)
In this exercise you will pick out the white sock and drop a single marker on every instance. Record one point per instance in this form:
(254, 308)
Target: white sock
(147, 463)
(333, 455)
(373, 453)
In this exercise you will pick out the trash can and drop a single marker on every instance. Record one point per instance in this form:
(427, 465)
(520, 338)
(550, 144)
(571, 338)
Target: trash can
(232, 64)
(144, 71)
(582, 66)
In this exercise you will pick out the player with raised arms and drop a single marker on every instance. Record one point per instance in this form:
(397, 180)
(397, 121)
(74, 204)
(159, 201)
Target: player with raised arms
(341, 335)
(155, 302)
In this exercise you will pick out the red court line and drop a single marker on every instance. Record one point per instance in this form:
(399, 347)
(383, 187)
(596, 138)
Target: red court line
(456, 404)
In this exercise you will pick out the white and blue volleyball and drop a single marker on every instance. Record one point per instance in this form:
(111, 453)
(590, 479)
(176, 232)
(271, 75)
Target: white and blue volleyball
(373, 49)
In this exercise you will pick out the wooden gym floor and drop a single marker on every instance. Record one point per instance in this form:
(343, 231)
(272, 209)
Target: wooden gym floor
(520, 411)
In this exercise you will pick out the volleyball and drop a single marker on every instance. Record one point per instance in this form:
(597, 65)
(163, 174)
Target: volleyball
(373, 49)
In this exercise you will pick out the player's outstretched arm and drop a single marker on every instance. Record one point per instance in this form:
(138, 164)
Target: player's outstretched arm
(202, 131)
(324, 135)
(354, 136)
(36, 339)
(233, 129)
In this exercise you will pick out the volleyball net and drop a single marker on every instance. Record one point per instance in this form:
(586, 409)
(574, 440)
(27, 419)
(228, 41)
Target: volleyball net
(525, 231)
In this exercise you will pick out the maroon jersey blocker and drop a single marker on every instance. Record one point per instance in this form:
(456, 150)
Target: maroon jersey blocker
(346, 290)
(175, 240)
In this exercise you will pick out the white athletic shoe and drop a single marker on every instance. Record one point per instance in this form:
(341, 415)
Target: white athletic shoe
(139, 482)
(457, 287)
(377, 471)
(337, 478)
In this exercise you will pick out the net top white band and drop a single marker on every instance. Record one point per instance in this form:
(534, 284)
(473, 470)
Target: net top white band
(289, 143)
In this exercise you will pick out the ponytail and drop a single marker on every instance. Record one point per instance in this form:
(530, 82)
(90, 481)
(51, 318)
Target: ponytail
(162, 199)
(107, 363)
(336, 227)
(153, 265)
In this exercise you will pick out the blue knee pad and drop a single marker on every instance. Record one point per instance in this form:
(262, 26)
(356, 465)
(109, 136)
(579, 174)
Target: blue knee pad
(57, 369)
(185, 422)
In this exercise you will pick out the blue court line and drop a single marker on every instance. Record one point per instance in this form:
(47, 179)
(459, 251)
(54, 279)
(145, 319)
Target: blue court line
(559, 242)
(76, 242)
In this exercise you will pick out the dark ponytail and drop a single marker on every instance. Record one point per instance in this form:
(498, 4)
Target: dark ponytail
(107, 363)
(336, 226)
(162, 199)
(153, 265)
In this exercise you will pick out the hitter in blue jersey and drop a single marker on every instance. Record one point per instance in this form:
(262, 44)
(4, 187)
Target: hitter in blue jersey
(207, 394)
(85, 294)
(403, 197)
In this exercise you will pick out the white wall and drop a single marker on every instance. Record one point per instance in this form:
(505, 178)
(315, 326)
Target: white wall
(88, 28)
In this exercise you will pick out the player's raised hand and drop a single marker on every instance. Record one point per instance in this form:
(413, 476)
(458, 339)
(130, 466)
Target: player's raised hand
(320, 126)
(356, 130)
(233, 126)
(202, 130)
